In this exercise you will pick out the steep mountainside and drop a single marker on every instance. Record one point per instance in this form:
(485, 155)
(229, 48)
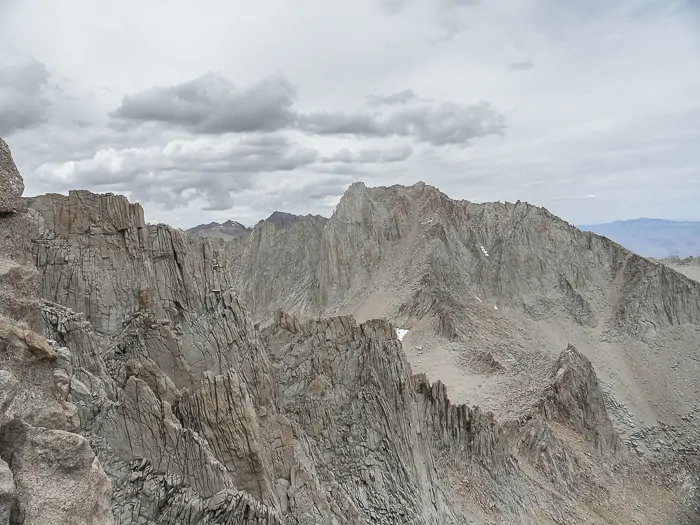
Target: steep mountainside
(690, 266)
(416, 240)
(653, 237)
(48, 472)
(489, 293)
(173, 405)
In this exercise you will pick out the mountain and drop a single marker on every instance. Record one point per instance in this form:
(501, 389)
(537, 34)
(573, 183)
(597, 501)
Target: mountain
(228, 230)
(231, 230)
(653, 237)
(410, 360)
(690, 266)
(281, 218)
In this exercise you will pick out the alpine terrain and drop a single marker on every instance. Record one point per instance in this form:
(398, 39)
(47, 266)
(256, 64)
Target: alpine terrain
(411, 360)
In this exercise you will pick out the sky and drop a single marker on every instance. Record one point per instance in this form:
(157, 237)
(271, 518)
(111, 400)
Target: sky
(222, 109)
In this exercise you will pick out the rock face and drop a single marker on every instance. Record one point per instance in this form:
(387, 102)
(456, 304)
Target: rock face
(11, 183)
(158, 399)
(59, 480)
(575, 397)
(48, 473)
(415, 248)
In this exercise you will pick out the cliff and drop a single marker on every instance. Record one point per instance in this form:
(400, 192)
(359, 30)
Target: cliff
(198, 413)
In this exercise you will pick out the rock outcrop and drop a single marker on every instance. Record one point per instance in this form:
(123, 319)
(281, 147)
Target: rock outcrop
(575, 399)
(387, 244)
(168, 404)
(11, 183)
(48, 472)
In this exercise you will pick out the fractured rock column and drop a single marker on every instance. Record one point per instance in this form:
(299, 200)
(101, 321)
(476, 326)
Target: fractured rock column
(48, 473)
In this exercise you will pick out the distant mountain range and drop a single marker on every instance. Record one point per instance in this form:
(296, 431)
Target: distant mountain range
(234, 230)
(227, 230)
(656, 238)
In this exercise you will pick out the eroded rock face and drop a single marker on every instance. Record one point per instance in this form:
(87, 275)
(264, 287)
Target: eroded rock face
(11, 183)
(48, 472)
(200, 416)
(424, 251)
(311, 450)
(8, 494)
(576, 399)
(58, 478)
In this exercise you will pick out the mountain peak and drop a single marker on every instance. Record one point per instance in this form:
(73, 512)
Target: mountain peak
(281, 218)
(271, 379)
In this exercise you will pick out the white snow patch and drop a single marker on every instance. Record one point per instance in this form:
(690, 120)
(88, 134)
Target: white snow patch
(484, 251)
(477, 298)
(495, 307)
(401, 333)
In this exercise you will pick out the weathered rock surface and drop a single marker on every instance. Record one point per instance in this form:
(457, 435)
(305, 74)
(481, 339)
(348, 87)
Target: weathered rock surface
(404, 241)
(59, 480)
(575, 398)
(8, 494)
(11, 183)
(48, 473)
(200, 416)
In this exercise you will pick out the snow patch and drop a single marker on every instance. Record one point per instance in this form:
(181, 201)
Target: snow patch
(484, 251)
(495, 307)
(477, 298)
(401, 333)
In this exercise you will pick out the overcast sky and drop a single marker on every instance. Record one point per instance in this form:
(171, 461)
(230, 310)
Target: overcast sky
(223, 109)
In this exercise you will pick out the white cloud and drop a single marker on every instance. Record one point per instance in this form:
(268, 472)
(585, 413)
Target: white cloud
(597, 98)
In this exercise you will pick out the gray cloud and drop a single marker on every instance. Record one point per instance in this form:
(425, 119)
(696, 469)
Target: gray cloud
(390, 99)
(23, 95)
(446, 123)
(371, 155)
(451, 4)
(211, 104)
(182, 170)
(392, 7)
(336, 123)
(522, 65)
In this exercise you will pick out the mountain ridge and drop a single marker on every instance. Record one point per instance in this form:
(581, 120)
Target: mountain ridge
(304, 407)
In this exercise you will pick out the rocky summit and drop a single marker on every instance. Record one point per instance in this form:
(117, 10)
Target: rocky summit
(411, 360)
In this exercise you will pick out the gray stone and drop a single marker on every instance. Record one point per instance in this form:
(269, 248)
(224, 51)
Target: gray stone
(8, 494)
(203, 413)
(11, 183)
(8, 389)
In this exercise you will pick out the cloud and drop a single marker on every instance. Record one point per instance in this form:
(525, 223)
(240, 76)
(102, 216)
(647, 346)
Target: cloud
(452, 4)
(390, 99)
(182, 170)
(606, 110)
(23, 94)
(522, 65)
(447, 123)
(441, 124)
(365, 156)
(211, 104)
(393, 7)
